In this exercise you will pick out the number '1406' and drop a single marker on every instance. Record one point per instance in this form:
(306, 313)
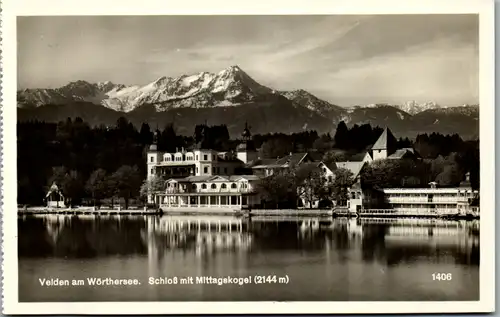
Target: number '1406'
(441, 276)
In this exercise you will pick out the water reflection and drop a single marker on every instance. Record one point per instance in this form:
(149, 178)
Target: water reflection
(325, 259)
(389, 241)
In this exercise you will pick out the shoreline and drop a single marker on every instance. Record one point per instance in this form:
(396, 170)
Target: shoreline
(296, 213)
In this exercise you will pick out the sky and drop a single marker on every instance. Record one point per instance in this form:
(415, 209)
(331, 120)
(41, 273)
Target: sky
(344, 59)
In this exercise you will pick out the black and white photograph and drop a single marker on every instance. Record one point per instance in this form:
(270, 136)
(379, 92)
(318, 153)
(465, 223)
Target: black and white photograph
(250, 158)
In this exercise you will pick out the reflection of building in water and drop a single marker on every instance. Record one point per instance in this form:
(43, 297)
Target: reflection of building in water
(203, 234)
(55, 224)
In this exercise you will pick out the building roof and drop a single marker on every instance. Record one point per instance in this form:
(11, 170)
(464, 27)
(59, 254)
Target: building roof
(402, 153)
(331, 165)
(53, 189)
(292, 159)
(286, 161)
(354, 167)
(386, 141)
(214, 178)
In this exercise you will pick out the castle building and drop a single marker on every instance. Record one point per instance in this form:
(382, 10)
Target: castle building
(195, 162)
(203, 177)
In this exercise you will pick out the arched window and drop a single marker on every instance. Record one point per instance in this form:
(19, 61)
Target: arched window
(243, 185)
(204, 186)
(214, 186)
(194, 186)
(223, 186)
(233, 185)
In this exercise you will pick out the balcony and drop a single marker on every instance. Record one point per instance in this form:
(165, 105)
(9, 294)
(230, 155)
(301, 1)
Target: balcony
(208, 191)
(422, 200)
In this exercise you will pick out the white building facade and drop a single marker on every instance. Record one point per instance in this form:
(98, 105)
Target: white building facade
(209, 193)
(441, 201)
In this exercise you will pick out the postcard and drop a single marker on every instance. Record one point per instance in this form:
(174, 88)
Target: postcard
(240, 157)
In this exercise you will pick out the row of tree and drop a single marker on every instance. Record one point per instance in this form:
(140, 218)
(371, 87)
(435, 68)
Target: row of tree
(124, 184)
(304, 184)
(82, 149)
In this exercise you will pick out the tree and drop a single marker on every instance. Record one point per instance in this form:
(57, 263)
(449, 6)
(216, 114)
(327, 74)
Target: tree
(127, 180)
(151, 186)
(278, 189)
(341, 137)
(72, 187)
(343, 179)
(310, 183)
(450, 176)
(58, 175)
(323, 143)
(69, 182)
(276, 147)
(334, 156)
(97, 185)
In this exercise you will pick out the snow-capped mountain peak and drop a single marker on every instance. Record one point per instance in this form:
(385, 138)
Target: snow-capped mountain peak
(412, 107)
(229, 87)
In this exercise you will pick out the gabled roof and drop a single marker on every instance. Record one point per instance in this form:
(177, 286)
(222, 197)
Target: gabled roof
(386, 141)
(235, 178)
(292, 159)
(401, 153)
(331, 166)
(218, 178)
(286, 161)
(53, 189)
(191, 179)
(315, 165)
(354, 167)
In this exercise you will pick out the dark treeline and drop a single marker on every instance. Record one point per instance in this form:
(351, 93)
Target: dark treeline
(80, 156)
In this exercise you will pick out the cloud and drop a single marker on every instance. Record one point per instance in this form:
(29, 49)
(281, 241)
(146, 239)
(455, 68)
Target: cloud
(344, 59)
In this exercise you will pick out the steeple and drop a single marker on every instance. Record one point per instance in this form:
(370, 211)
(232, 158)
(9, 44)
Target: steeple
(156, 136)
(246, 135)
(386, 141)
(246, 151)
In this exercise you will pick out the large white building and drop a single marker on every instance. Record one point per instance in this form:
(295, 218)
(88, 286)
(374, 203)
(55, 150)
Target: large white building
(199, 178)
(431, 200)
(200, 193)
(199, 161)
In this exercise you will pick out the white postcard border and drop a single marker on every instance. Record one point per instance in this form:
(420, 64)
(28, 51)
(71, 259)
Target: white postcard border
(13, 8)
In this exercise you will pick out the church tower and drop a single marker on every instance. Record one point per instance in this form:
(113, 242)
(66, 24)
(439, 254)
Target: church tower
(245, 151)
(154, 156)
(385, 145)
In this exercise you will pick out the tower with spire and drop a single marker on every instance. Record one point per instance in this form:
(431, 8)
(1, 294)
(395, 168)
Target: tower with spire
(245, 151)
(154, 156)
(385, 145)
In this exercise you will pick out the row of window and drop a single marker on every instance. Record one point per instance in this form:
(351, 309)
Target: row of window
(215, 170)
(411, 195)
(450, 206)
(168, 158)
(212, 186)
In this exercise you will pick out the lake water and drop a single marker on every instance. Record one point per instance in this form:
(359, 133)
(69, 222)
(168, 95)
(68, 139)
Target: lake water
(299, 260)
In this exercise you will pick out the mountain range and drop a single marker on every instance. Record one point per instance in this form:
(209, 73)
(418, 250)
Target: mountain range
(232, 97)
